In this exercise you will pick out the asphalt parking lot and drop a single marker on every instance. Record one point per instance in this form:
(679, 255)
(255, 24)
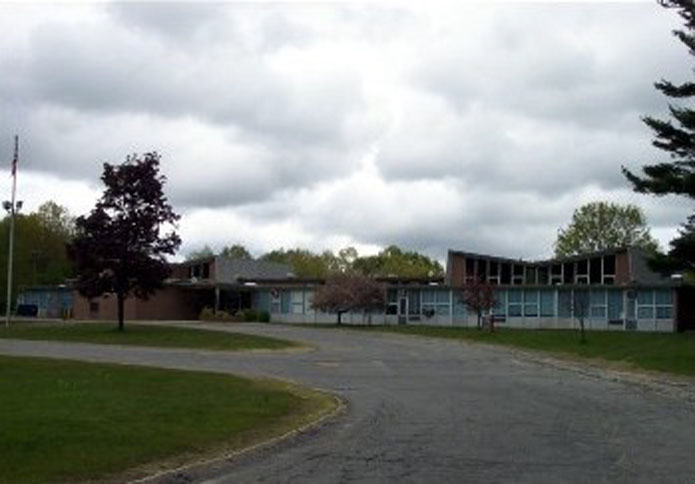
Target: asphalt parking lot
(426, 410)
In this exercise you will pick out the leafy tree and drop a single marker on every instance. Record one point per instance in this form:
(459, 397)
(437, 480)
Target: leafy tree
(201, 253)
(236, 251)
(39, 253)
(119, 247)
(598, 226)
(304, 262)
(479, 296)
(56, 218)
(348, 292)
(394, 261)
(676, 137)
(346, 258)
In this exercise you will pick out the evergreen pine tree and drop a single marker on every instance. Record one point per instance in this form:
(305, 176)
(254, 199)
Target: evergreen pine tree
(677, 137)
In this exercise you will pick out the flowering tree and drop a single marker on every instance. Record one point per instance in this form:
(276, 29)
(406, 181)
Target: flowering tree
(478, 296)
(343, 293)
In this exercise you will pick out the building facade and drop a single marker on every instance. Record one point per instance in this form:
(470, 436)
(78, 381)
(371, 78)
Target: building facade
(611, 290)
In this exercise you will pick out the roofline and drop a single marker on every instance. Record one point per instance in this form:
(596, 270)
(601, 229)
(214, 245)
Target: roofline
(554, 260)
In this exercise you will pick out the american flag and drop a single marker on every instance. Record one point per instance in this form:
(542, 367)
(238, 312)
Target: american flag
(16, 152)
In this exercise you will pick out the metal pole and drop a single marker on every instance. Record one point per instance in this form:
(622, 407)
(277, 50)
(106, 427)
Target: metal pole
(12, 213)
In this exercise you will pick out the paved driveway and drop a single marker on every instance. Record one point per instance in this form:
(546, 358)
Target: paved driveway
(425, 410)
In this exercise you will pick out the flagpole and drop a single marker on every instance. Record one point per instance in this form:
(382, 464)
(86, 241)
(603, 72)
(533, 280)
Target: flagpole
(10, 259)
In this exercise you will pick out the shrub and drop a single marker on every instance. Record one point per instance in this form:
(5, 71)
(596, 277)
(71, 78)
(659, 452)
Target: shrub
(250, 315)
(263, 316)
(207, 314)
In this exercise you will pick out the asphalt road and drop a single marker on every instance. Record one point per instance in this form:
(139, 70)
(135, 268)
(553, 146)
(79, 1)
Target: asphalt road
(426, 410)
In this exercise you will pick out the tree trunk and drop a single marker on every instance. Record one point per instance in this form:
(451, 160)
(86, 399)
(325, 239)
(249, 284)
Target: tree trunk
(581, 330)
(121, 302)
(340, 314)
(479, 320)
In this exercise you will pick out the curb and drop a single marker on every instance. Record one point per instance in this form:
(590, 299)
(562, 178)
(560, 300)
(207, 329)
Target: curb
(661, 384)
(169, 474)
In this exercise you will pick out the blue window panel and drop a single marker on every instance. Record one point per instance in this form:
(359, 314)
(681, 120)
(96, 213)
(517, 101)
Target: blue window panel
(598, 297)
(514, 295)
(530, 296)
(530, 309)
(663, 297)
(615, 304)
(663, 312)
(263, 300)
(428, 296)
(564, 303)
(548, 303)
(645, 312)
(500, 301)
(442, 310)
(598, 312)
(514, 310)
(392, 295)
(285, 302)
(442, 296)
(645, 297)
(459, 309)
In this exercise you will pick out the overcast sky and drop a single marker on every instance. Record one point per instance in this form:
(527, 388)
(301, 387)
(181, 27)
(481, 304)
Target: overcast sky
(477, 127)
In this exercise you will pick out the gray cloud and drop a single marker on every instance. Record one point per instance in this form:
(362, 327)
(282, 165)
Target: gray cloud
(478, 127)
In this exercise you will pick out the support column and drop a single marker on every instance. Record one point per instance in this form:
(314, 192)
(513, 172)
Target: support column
(217, 299)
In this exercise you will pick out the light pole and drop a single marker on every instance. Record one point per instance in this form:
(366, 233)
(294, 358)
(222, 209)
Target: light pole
(12, 208)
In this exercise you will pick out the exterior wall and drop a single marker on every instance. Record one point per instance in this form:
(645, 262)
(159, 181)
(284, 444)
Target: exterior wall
(622, 268)
(49, 302)
(546, 307)
(170, 303)
(100, 308)
(456, 269)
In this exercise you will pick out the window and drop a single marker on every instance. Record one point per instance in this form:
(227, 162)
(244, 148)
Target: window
(500, 303)
(662, 302)
(645, 297)
(494, 275)
(609, 269)
(548, 303)
(297, 302)
(564, 304)
(514, 298)
(309, 302)
(663, 312)
(615, 304)
(392, 300)
(556, 274)
(568, 272)
(435, 301)
(275, 306)
(284, 302)
(459, 306)
(93, 307)
(654, 304)
(530, 303)
(645, 312)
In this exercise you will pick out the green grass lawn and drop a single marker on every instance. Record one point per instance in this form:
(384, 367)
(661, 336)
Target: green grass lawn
(69, 421)
(142, 335)
(667, 352)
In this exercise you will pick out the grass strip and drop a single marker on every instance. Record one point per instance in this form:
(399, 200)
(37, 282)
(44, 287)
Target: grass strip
(667, 352)
(66, 421)
(142, 335)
